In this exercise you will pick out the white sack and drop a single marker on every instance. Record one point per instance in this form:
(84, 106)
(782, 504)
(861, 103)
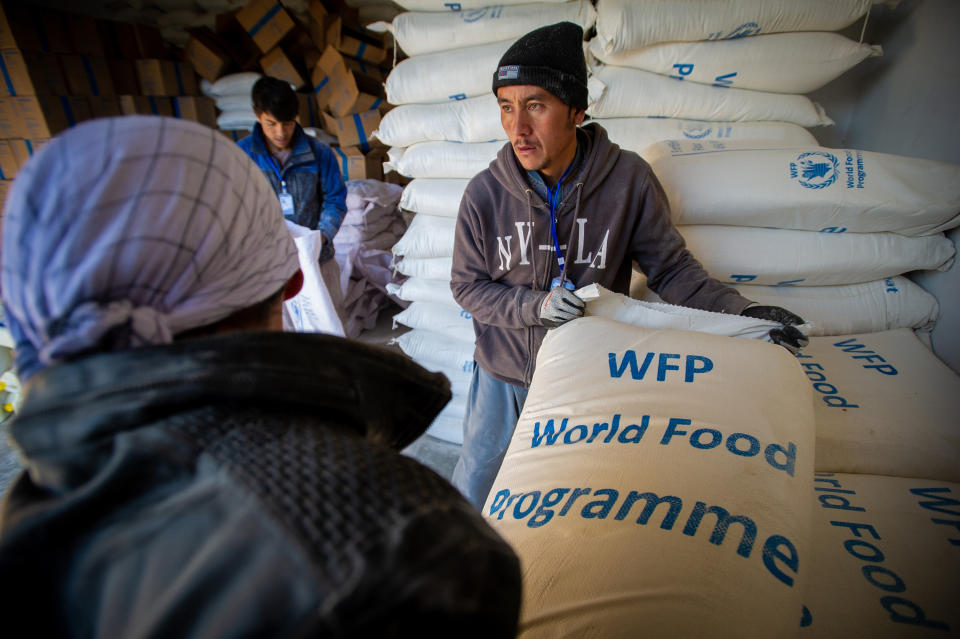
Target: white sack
(807, 188)
(416, 289)
(885, 560)
(431, 268)
(237, 120)
(602, 302)
(434, 196)
(444, 76)
(439, 318)
(471, 120)
(436, 351)
(618, 92)
(232, 84)
(779, 62)
(427, 236)
(623, 25)
(419, 33)
(447, 427)
(312, 309)
(627, 437)
(443, 159)
(745, 255)
(855, 308)
(461, 5)
(885, 405)
(637, 134)
(241, 102)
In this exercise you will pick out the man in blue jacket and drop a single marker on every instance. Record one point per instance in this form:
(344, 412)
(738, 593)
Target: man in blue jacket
(302, 171)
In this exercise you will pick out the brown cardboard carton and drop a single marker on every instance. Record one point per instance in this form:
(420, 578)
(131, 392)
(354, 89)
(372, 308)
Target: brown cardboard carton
(134, 41)
(8, 162)
(30, 73)
(309, 112)
(278, 64)
(124, 77)
(354, 129)
(32, 29)
(317, 11)
(237, 42)
(355, 165)
(54, 26)
(104, 106)
(266, 22)
(43, 116)
(370, 70)
(166, 78)
(197, 109)
(356, 48)
(4, 189)
(235, 134)
(206, 55)
(333, 84)
(84, 32)
(87, 76)
(10, 124)
(23, 150)
(145, 105)
(366, 102)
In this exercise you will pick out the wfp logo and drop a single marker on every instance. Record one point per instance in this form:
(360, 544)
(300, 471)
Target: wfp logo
(697, 132)
(815, 170)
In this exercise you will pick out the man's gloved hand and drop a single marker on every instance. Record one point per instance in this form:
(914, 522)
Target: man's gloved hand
(789, 336)
(560, 306)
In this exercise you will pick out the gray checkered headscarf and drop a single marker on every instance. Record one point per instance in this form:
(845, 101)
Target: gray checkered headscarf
(123, 232)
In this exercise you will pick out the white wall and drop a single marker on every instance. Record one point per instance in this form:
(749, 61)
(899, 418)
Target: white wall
(907, 103)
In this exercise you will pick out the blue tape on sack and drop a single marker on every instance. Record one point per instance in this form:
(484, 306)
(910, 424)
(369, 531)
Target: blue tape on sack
(176, 71)
(6, 77)
(90, 76)
(262, 22)
(343, 159)
(65, 102)
(357, 122)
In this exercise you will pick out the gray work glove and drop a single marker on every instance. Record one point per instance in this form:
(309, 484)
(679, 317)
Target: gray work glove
(560, 306)
(789, 336)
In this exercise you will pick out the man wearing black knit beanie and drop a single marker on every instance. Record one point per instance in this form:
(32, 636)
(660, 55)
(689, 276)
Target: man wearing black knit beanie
(560, 208)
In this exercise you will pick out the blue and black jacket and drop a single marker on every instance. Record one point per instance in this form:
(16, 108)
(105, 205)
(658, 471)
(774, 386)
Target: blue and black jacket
(313, 179)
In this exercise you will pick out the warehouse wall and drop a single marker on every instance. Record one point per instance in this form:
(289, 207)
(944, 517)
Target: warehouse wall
(906, 103)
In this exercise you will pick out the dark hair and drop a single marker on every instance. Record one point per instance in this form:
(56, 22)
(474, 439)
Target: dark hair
(274, 96)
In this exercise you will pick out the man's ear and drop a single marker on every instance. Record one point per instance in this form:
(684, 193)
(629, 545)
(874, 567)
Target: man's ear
(578, 116)
(294, 284)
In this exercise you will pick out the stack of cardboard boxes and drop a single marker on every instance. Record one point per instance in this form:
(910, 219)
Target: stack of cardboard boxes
(335, 65)
(59, 69)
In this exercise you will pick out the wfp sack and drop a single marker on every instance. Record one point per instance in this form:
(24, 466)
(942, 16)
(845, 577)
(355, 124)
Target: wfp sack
(618, 92)
(648, 462)
(870, 307)
(779, 62)
(471, 120)
(232, 84)
(637, 134)
(312, 309)
(427, 236)
(885, 405)
(443, 159)
(776, 257)
(436, 352)
(431, 268)
(623, 25)
(420, 32)
(434, 196)
(438, 318)
(444, 76)
(416, 289)
(809, 188)
(885, 561)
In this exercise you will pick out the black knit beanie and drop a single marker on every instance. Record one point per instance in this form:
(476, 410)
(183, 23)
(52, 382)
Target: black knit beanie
(550, 57)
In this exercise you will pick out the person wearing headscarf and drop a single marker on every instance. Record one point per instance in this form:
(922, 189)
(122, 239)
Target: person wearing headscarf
(188, 472)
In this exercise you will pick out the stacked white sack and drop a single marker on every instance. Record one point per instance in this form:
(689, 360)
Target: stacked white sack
(232, 96)
(371, 226)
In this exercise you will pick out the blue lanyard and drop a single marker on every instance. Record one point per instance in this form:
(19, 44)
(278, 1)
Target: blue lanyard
(276, 169)
(553, 201)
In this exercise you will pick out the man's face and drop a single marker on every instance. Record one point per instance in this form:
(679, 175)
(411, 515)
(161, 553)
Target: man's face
(541, 128)
(278, 134)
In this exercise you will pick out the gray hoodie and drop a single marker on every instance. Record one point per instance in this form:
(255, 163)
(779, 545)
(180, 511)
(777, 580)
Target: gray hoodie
(616, 213)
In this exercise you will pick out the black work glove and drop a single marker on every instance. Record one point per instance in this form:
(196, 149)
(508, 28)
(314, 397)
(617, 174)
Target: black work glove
(789, 336)
(560, 306)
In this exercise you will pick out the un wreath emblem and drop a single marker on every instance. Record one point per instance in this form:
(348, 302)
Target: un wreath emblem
(815, 169)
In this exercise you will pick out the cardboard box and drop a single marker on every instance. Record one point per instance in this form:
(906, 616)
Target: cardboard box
(55, 30)
(309, 112)
(124, 77)
(166, 78)
(30, 73)
(354, 165)
(23, 150)
(354, 129)
(266, 22)
(356, 48)
(87, 76)
(235, 134)
(237, 43)
(10, 125)
(145, 105)
(32, 29)
(4, 189)
(334, 86)
(196, 109)
(370, 70)
(206, 55)
(43, 116)
(366, 102)
(8, 162)
(135, 41)
(317, 11)
(278, 64)
(104, 106)
(85, 35)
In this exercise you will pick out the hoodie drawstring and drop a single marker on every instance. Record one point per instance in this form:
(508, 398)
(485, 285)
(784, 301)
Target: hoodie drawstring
(533, 254)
